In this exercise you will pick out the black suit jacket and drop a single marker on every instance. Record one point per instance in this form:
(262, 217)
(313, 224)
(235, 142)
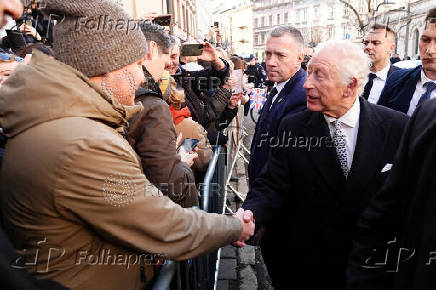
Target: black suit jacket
(403, 211)
(302, 189)
(392, 68)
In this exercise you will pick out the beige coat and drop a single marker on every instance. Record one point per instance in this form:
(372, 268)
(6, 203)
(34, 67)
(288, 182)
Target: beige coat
(72, 191)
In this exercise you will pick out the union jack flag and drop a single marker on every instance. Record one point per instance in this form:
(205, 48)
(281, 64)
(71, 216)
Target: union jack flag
(257, 98)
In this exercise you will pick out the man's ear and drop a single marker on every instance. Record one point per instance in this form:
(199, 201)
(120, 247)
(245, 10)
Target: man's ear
(301, 57)
(152, 50)
(392, 47)
(352, 86)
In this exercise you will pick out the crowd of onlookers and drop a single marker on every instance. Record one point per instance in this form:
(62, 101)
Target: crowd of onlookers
(126, 119)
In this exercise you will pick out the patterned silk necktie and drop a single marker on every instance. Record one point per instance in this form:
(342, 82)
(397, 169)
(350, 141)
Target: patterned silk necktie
(430, 86)
(341, 150)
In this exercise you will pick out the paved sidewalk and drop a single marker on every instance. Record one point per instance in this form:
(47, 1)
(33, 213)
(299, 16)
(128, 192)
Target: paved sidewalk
(241, 268)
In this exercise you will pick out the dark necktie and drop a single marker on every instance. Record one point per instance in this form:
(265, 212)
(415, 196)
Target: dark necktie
(425, 96)
(267, 106)
(271, 97)
(368, 85)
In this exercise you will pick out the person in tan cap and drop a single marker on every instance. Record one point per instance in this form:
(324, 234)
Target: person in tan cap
(74, 200)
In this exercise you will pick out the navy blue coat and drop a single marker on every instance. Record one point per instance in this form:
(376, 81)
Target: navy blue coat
(291, 99)
(399, 89)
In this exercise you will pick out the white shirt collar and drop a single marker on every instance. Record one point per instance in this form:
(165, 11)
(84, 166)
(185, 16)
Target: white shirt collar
(350, 118)
(425, 79)
(383, 73)
(279, 86)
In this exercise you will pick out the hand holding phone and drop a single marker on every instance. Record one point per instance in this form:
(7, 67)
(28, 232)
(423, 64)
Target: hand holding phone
(189, 144)
(183, 150)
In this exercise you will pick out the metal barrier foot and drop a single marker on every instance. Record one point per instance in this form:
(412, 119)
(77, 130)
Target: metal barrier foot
(245, 149)
(229, 210)
(236, 193)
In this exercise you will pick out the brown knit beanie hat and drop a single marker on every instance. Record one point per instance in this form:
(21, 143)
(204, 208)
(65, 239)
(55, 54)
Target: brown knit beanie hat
(95, 36)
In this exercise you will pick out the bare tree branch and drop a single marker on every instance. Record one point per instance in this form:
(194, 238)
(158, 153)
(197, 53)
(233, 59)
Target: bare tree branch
(359, 20)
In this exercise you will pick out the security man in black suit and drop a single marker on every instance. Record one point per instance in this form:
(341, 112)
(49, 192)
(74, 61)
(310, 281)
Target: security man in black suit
(379, 44)
(325, 166)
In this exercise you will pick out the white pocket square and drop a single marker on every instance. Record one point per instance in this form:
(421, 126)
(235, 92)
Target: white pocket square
(387, 167)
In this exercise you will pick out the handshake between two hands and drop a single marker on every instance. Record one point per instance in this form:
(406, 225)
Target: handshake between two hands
(247, 220)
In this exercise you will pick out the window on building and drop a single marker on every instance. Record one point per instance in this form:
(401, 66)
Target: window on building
(331, 11)
(305, 15)
(416, 42)
(188, 22)
(286, 20)
(297, 16)
(270, 20)
(278, 18)
(256, 22)
(263, 21)
(184, 17)
(316, 11)
(331, 31)
(256, 38)
(362, 6)
(179, 20)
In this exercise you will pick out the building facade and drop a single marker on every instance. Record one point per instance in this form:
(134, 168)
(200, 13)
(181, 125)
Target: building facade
(184, 19)
(236, 27)
(184, 23)
(318, 20)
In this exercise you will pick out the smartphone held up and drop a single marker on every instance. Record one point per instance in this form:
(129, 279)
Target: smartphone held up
(191, 49)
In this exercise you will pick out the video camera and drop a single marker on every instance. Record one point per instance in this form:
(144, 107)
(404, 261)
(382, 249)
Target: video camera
(17, 40)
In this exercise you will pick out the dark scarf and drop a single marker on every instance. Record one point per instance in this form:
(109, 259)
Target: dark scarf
(149, 87)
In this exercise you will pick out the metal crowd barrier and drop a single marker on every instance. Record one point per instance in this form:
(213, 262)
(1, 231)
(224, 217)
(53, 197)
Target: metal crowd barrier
(201, 273)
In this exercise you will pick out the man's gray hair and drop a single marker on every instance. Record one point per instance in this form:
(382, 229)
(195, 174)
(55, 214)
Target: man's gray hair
(352, 62)
(175, 41)
(292, 31)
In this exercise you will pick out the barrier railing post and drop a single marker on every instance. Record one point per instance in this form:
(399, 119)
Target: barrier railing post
(202, 272)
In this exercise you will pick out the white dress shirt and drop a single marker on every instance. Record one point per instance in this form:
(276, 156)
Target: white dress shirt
(378, 84)
(279, 87)
(419, 91)
(350, 128)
